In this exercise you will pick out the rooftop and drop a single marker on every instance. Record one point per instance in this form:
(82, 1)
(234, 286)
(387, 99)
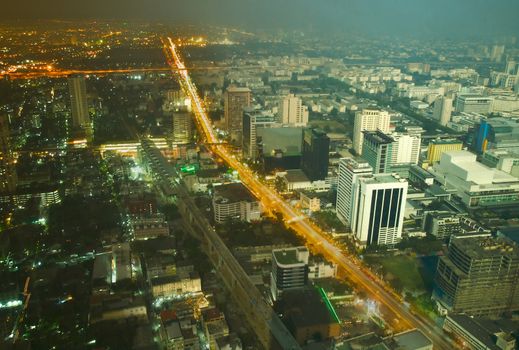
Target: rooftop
(296, 175)
(486, 246)
(233, 192)
(377, 137)
(289, 256)
(413, 339)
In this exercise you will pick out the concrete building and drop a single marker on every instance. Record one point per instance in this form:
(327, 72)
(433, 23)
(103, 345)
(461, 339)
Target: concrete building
(406, 147)
(496, 133)
(78, 102)
(236, 99)
(478, 276)
(482, 333)
(437, 147)
(497, 53)
(234, 201)
(443, 109)
(368, 120)
(377, 150)
(474, 183)
(292, 111)
(315, 154)
(176, 285)
(349, 171)
(441, 224)
(252, 121)
(279, 148)
(381, 202)
(474, 104)
(502, 160)
(289, 270)
(8, 177)
(182, 127)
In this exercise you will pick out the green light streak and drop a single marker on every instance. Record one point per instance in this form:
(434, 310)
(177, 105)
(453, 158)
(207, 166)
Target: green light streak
(328, 304)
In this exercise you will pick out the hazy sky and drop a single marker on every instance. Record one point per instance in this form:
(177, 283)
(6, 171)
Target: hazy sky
(430, 17)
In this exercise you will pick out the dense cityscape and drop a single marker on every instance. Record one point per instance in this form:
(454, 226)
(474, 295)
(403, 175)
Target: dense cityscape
(208, 186)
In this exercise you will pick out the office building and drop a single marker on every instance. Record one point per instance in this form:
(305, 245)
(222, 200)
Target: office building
(496, 133)
(236, 99)
(8, 177)
(289, 270)
(252, 121)
(309, 315)
(474, 104)
(475, 184)
(443, 110)
(482, 333)
(406, 146)
(377, 150)
(182, 127)
(292, 111)
(510, 67)
(315, 154)
(368, 120)
(78, 102)
(349, 171)
(479, 277)
(380, 204)
(497, 53)
(441, 224)
(502, 160)
(279, 148)
(234, 201)
(439, 146)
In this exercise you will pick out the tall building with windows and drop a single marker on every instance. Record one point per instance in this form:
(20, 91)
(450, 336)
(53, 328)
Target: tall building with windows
(406, 147)
(368, 120)
(443, 109)
(315, 157)
(377, 150)
(289, 270)
(236, 99)
(78, 102)
(380, 204)
(182, 127)
(8, 178)
(479, 276)
(292, 111)
(252, 121)
(350, 170)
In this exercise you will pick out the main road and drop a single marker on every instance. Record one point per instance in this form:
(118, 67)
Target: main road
(359, 275)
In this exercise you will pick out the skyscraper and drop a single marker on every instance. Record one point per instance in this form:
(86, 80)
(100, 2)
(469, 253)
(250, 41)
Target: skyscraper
(78, 102)
(377, 150)
(443, 109)
(252, 120)
(380, 203)
(289, 270)
(479, 276)
(349, 171)
(370, 120)
(182, 127)
(497, 53)
(406, 148)
(315, 157)
(292, 111)
(236, 99)
(8, 176)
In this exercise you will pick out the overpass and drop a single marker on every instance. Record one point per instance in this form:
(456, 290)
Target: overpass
(271, 332)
